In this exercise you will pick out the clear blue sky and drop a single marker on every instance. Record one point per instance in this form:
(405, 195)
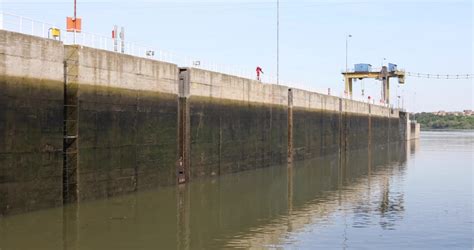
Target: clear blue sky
(420, 36)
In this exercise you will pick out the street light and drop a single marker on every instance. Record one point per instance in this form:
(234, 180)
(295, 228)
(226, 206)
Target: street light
(347, 48)
(278, 42)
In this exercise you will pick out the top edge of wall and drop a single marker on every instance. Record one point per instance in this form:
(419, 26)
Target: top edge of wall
(217, 85)
(31, 57)
(111, 69)
(118, 54)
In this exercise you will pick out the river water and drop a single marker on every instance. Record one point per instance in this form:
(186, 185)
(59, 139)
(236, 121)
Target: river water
(397, 196)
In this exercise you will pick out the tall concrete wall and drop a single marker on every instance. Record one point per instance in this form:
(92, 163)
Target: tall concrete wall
(127, 122)
(79, 123)
(356, 129)
(316, 124)
(325, 124)
(235, 124)
(31, 122)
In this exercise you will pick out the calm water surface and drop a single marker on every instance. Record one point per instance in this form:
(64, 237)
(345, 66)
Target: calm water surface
(397, 196)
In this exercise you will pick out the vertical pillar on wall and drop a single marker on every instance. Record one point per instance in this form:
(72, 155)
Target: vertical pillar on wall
(290, 126)
(183, 164)
(220, 145)
(341, 153)
(70, 129)
(345, 124)
(407, 126)
(369, 147)
(389, 126)
(270, 145)
(370, 126)
(182, 168)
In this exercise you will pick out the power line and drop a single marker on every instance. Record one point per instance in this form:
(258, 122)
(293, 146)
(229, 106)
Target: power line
(440, 76)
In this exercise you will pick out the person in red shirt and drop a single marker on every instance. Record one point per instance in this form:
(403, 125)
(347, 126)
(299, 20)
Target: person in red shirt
(259, 70)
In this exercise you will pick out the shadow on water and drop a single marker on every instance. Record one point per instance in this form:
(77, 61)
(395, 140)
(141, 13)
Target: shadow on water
(249, 209)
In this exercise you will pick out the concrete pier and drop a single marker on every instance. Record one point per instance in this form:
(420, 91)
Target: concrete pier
(79, 124)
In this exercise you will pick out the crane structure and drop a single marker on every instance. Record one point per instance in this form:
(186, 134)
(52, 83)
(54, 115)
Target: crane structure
(362, 71)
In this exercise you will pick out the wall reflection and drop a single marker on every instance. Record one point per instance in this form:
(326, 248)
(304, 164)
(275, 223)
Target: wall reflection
(249, 209)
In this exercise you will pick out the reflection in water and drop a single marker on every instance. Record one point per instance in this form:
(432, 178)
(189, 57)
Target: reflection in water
(391, 207)
(320, 199)
(259, 208)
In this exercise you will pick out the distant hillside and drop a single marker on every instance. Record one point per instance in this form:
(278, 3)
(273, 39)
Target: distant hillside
(432, 121)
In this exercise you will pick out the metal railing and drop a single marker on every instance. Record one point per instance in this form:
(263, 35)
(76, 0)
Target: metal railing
(24, 25)
(28, 26)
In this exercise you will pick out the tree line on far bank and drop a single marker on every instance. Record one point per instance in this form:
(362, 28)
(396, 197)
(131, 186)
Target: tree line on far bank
(432, 121)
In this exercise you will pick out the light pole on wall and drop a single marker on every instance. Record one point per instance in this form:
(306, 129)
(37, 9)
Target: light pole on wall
(347, 49)
(278, 42)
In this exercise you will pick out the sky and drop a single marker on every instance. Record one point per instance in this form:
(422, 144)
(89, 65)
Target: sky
(421, 36)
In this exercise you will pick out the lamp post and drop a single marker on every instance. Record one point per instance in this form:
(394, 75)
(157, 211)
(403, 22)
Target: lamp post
(347, 48)
(278, 42)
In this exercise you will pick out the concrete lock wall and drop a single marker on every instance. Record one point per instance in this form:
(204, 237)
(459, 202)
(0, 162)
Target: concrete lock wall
(31, 122)
(325, 124)
(235, 124)
(316, 124)
(127, 122)
(78, 123)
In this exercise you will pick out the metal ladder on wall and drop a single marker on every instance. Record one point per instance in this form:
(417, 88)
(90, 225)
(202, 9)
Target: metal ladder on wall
(71, 105)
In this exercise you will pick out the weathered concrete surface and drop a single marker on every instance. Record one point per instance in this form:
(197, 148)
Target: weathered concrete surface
(325, 124)
(316, 124)
(414, 130)
(236, 124)
(127, 123)
(31, 123)
(141, 122)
